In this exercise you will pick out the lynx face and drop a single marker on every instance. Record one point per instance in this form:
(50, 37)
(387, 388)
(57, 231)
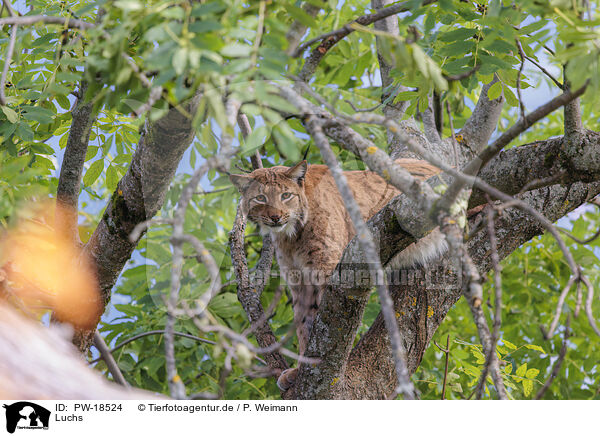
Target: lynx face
(274, 198)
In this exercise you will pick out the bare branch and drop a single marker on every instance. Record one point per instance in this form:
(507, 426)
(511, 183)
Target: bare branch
(9, 53)
(497, 301)
(557, 364)
(71, 23)
(245, 128)
(332, 38)
(546, 72)
(151, 333)
(108, 358)
(363, 20)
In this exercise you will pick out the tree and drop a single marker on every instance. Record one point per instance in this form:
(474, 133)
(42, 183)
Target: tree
(133, 91)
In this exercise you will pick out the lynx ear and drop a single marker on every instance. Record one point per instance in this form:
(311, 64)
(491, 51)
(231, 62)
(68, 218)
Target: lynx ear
(297, 172)
(240, 181)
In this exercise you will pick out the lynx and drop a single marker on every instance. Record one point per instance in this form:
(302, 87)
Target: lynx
(303, 211)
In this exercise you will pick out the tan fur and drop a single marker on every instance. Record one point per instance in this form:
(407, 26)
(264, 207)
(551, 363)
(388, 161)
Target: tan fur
(312, 227)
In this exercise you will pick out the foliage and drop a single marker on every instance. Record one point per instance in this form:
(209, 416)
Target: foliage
(227, 46)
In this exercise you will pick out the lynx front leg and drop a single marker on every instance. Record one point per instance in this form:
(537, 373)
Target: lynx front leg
(306, 304)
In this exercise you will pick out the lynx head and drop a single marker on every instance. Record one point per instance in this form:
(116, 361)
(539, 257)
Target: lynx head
(274, 198)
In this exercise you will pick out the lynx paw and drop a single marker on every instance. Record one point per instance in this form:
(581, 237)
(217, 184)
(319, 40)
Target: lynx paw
(287, 379)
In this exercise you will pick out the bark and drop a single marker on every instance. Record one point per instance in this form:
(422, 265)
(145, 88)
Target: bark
(138, 197)
(71, 170)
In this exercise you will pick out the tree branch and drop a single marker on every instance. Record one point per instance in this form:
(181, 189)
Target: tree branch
(478, 129)
(108, 358)
(332, 38)
(71, 23)
(71, 170)
(138, 196)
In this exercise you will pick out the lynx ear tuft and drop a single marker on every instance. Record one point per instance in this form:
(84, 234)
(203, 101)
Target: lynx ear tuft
(240, 181)
(297, 172)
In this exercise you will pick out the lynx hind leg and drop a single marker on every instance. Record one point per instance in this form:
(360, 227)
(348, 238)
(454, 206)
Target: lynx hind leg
(287, 379)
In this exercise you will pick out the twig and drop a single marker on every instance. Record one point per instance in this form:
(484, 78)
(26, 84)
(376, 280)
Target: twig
(145, 225)
(558, 363)
(446, 351)
(519, 73)
(588, 304)
(245, 128)
(151, 333)
(331, 38)
(9, 53)
(454, 142)
(464, 75)
(559, 306)
(28, 20)
(546, 72)
(363, 20)
(368, 109)
(498, 299)
(106, 355)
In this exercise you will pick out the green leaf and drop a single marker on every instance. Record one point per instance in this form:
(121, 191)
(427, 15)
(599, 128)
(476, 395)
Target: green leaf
(495, 91)
(39, 114)
(301, 16)
(24, 132)
(535, 347)
(180, 60)
(521, 370)
(457, 35)
(527, 387)
(112, 178)
(532, 373)
(236, 50)
(405, 96)
(93, 172)
(255, 140)
(508, 344)
(11, 115)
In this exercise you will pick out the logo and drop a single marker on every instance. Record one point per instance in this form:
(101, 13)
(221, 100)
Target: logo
(26, 415)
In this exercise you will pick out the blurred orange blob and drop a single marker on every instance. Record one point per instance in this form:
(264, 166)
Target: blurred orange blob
(47, 270)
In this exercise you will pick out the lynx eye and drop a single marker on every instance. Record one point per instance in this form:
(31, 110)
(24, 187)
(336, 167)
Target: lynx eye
(261, 198)
(286, 195)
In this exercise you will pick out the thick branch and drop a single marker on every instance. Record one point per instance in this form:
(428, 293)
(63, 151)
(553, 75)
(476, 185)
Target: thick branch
(71, 170)
(478, 129)
(138, 196)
